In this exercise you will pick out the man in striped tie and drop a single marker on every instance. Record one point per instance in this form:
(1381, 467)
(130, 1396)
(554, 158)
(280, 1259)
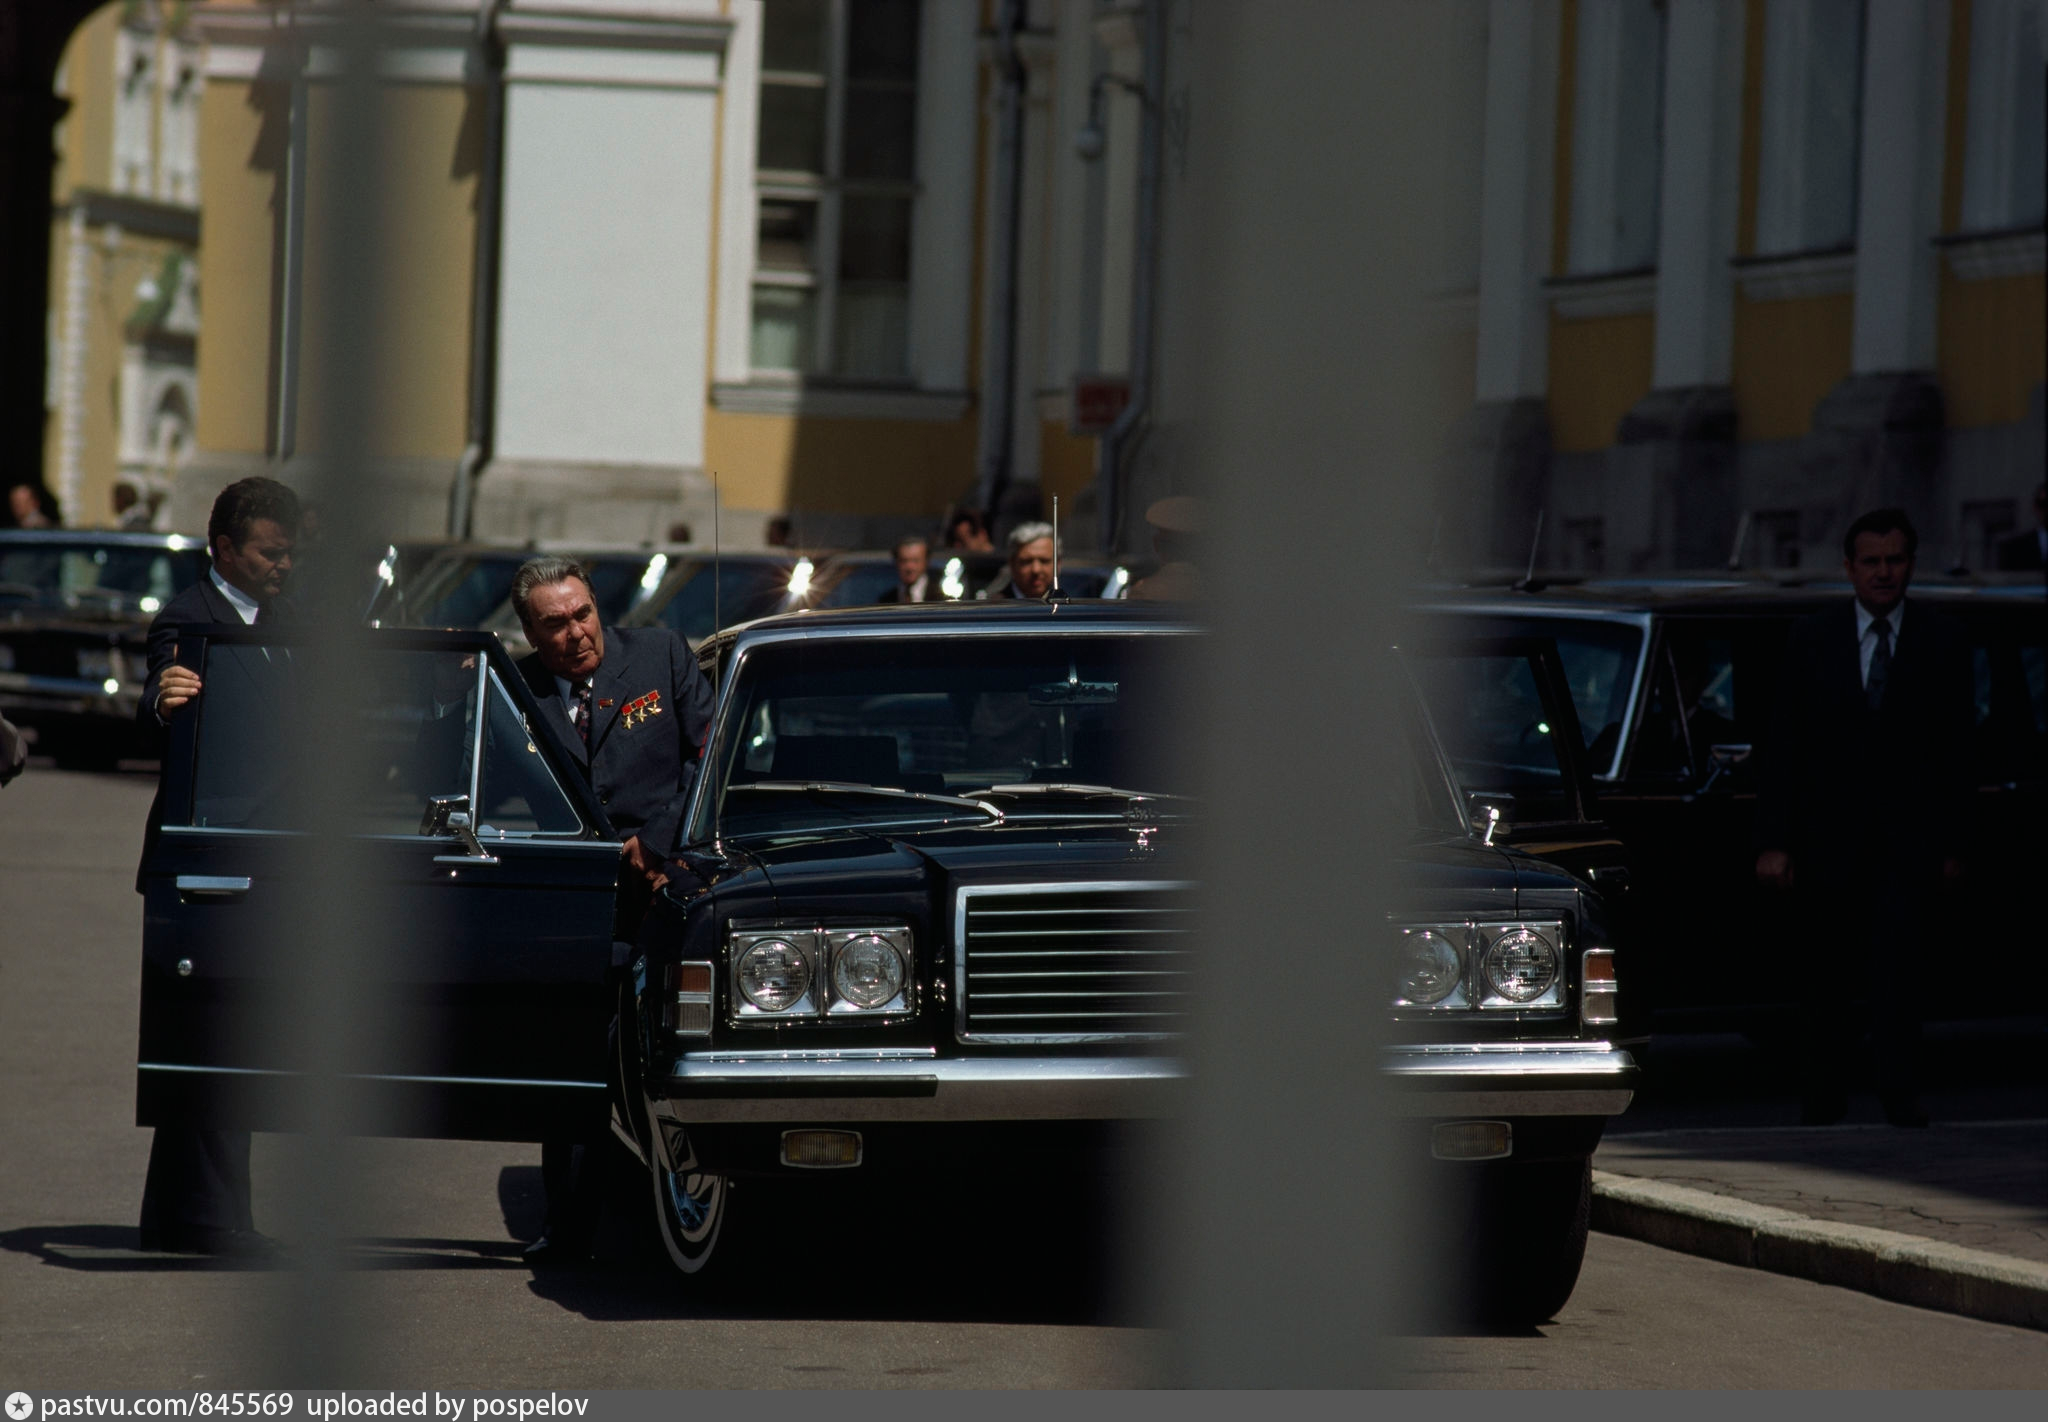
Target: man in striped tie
(1862, 812)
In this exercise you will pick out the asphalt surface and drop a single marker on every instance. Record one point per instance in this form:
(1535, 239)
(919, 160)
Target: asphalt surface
(432, 1292)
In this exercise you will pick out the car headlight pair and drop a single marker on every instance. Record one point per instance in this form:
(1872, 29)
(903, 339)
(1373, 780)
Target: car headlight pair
(781, 974)
(1484, 965)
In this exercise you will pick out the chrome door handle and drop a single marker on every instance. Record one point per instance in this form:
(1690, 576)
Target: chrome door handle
(212, 886)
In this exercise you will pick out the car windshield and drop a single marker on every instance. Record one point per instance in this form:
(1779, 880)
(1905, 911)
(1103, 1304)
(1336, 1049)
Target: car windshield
(1599, 660)
(124, 576)
(1038, 724)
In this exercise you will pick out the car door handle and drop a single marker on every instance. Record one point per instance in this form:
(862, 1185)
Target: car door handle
(1611, 876)
(199, 887)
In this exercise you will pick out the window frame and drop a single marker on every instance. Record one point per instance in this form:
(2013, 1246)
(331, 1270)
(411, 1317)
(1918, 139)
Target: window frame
(829, 190)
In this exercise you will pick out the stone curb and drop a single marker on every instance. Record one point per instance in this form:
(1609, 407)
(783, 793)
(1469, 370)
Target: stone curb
(1901, 1267)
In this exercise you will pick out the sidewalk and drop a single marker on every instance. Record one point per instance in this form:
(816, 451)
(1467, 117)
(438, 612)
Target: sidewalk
(1953, 1217)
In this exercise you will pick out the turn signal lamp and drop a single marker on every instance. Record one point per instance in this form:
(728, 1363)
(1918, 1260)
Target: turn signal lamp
(821, 1150)
(1472, 1140)
(1599, 997)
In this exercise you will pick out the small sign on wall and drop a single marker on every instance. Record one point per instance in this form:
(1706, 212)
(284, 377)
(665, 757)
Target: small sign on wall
(1095, 401)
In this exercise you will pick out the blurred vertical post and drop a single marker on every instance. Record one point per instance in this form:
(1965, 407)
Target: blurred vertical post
(332, 938)
(1307, 388)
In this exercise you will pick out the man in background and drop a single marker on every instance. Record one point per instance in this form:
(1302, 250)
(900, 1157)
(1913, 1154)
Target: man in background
(196, 1197)
(1862, 811)
(131, 514)
(1033, 551)
(29, 507)
(914, 580)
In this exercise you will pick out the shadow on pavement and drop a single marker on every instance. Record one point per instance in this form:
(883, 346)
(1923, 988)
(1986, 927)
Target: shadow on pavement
(118, 1249)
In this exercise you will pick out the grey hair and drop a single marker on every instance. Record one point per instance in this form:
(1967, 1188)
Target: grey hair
(1025, 533)
(542, 572)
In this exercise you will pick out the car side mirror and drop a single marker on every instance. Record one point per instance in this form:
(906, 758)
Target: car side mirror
(440, 812)
(1491, 813)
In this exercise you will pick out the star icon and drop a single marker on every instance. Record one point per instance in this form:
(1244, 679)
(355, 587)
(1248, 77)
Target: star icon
(19, 1405)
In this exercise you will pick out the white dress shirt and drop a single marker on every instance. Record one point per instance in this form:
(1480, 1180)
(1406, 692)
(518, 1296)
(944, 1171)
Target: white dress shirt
(237, 599)
(1866, 639)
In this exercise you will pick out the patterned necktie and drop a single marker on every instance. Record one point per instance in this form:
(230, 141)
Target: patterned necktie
(1880, 664)
(582, 716)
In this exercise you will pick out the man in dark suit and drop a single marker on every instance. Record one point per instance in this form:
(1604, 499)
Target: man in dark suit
(914, 580)
(1862, 811)
(633, 709)
(196, 1196)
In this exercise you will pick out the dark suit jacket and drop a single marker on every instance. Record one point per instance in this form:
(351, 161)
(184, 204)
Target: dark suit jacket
(895, 591)
(200, 605)
(1849, 792)
(650, 709)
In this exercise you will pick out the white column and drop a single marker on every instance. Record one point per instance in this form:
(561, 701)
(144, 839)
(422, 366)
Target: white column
(1123, 120)
(1702, 158)
(942, 240)
(71, 381)
(604, 295)
(1070, 173)
(1514, 244)
(1036, 289)
(1905, 64)
(738, 201)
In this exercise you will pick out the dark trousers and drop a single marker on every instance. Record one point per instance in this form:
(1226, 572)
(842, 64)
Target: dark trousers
(1862, 954)
(197, 1187)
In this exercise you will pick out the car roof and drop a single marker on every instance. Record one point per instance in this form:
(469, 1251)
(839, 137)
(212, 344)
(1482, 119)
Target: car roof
(110, 537)
(1733, 594)
(938, 618)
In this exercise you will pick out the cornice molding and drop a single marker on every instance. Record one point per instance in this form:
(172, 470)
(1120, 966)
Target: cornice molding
(1987, 256)
(841, 402)
(1799, 275)
(1577, 298)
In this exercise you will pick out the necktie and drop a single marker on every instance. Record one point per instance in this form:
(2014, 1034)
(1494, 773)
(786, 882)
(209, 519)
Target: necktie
(1880, 664)
(582, 716)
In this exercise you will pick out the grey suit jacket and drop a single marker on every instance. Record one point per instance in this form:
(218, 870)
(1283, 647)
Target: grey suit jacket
(650, 710)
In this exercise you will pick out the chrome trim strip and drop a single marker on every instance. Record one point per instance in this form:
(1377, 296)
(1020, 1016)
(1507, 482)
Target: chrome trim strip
(823, 1054)
(213, 883)
(959, 950)
(365, 1076)
(971, 1089)
(1436, 1104)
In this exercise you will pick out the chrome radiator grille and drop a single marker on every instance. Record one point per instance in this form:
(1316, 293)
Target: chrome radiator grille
(1072, 962)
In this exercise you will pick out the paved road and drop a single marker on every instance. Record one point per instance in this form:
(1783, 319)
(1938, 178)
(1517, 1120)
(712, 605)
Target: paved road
(439, 1298)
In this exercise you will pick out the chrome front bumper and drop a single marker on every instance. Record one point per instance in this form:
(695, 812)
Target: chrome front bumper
(1568, 1079)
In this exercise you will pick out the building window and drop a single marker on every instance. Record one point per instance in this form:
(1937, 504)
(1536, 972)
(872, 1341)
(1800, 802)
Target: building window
(178, 127)
(2005, 171)
(1778, 541)
(1617, 135)
(836, 171)
(134, 105)
(1812, 123)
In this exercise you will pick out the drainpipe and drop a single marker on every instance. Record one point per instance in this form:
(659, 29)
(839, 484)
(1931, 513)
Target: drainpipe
(999, 379)
(483, 291)
(1119, 441)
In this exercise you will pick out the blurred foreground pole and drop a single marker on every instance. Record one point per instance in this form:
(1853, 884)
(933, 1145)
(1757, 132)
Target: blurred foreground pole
(333, 937)
(1306, 386)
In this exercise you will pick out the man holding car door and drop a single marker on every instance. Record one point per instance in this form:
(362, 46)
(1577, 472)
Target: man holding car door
(196, 1196)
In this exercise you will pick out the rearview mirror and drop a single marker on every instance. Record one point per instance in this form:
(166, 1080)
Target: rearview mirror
(1492, 814)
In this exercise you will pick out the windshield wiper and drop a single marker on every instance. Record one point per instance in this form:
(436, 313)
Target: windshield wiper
(853, 787)
(1091, 792)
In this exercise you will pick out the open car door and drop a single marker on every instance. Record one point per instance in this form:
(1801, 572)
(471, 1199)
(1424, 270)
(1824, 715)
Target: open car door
(1503, 712)
(469, 864)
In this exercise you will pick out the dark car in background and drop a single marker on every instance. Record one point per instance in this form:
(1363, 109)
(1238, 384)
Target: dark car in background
(1673, 683)
(698, 592)
(75, 609)
(859, 579)
(470, 584)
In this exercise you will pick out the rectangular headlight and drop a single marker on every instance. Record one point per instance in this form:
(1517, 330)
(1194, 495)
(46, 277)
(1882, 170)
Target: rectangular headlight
(1455, 967)
(787, 972)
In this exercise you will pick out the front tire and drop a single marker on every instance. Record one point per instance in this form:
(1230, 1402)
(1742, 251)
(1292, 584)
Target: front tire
(1545, 1209)
(690, 1209)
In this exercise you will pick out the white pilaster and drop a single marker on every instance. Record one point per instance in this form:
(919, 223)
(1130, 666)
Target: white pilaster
(738, 198)
(942, 240)
(1123, 122)
(1898, 207)
(604, 293)
(1702, 161)
(1070, 173)
(1514, 244)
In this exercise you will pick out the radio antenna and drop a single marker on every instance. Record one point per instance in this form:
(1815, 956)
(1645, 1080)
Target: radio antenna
(1528, 583)
(1055, 543)
(715, 501)
(1741, 537)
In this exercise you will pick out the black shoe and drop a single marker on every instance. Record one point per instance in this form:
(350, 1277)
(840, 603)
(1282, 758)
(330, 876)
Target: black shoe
(1823, 1110)
(1905, 1111)
(550, 1253)
(221, 1243)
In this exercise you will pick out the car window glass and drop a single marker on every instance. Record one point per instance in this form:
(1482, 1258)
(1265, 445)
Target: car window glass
(746, 590)
(2034, 670)
(1715, 687)
(518, 791)
(413, 713)
(1661, 750)
(485, 584)
(1599, 660)
(1490, 716)
(139, 578)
